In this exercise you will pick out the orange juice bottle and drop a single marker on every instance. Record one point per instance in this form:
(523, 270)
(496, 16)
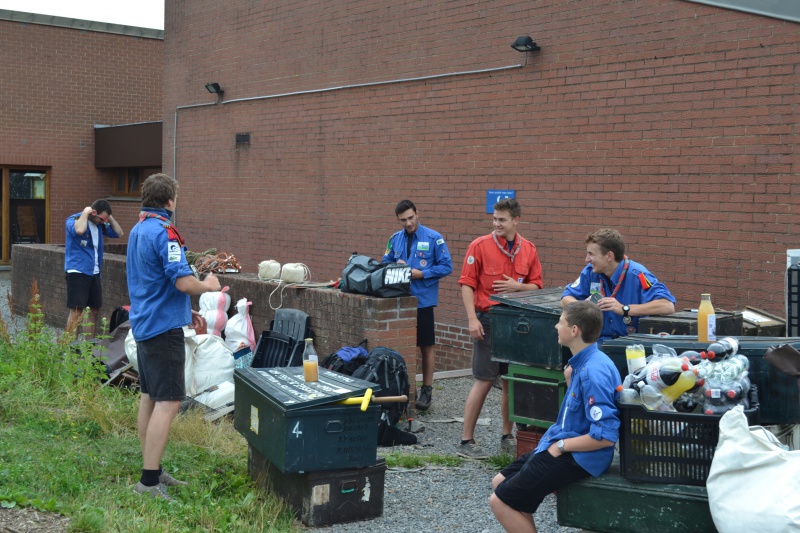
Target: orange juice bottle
(310, 362)
(706, 320)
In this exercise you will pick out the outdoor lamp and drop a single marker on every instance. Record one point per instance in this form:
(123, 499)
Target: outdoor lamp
(523, 44)
(214, 88)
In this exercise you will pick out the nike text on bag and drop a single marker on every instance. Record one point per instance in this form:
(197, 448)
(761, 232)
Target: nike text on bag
(364, 275)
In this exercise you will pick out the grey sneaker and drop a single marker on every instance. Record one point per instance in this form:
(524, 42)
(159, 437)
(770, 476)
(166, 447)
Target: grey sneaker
(470, 450)
(168, 481)
(158, 491)
(509, 445)
(424, 398)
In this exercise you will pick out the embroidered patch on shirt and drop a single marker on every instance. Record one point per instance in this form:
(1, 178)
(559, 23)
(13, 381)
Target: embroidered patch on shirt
(596, 413)
(440, 242)
(423, 263)
(470, 260)
(646, 284)
(173, 252)
(424, 246)
(576, 283)
(591, 401)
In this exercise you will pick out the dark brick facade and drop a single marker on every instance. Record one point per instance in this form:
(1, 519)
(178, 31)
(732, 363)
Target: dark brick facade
(672, 121)
(57, 83)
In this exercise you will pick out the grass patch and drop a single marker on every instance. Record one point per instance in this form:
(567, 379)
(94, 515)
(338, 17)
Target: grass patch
(500, 461)
(397, 459)
(69, 446)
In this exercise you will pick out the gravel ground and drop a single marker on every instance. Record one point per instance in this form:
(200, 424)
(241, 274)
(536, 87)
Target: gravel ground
(447, 499)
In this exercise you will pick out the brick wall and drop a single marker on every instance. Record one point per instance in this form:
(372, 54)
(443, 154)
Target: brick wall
(337, 319)
(57, 83)
(672, 121)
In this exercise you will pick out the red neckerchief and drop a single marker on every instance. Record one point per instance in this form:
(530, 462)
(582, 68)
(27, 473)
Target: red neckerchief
(619, 282)
(502, 248)
(172, 231)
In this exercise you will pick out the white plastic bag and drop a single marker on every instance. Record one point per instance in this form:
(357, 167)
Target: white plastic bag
(239, 329)
(753, 484)
(214, 308)
(212, 363)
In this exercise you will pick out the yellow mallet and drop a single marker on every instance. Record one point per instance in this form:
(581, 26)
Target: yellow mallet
(368, 397)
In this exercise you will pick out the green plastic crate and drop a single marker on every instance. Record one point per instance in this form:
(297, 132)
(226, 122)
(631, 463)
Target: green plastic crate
(534, 394)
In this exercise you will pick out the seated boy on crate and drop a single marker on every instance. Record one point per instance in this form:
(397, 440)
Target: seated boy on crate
(581, 442)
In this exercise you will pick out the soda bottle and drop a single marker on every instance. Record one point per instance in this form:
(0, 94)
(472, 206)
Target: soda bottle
(724, 347)
(634, 354)
(706, 320)
(310, 362)
(686, 380)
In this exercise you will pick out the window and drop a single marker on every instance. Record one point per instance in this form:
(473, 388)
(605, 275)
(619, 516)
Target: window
(127, 181)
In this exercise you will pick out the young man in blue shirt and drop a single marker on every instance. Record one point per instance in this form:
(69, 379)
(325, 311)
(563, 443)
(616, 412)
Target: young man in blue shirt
(425, 251)
(160, 283)
(623, 289)
(581, 442)
(83, 260)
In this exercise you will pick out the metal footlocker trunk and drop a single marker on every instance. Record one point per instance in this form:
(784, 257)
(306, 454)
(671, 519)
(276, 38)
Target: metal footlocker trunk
(296, 426)
(778, 393)
(523, 328)
(729, 324)
(323, 498)
(611, 504)
(534, 394)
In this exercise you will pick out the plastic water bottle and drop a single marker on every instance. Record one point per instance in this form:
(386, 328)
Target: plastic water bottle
(310, 362)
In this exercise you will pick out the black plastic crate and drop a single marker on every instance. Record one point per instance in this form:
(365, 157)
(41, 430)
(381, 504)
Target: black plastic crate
(664, 447)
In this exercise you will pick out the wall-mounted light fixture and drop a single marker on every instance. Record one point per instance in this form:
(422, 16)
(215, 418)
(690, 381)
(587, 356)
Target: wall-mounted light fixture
(525, 44)
(214, 88)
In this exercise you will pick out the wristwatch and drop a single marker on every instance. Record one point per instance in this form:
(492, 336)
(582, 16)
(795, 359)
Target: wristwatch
(560, 446)
(625, 310)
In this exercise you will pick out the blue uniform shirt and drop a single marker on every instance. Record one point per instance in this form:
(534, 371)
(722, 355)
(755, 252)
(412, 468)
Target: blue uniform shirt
(638, 287)
(589, 408)
(154, 265)
(429, 254)
(79, 249)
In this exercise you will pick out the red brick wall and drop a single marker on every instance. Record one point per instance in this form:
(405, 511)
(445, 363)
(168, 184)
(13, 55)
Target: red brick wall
(671, 121)
(56, 84)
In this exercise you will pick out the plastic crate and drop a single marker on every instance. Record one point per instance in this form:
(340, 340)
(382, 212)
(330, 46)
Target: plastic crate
(528, 439)
(663, 447)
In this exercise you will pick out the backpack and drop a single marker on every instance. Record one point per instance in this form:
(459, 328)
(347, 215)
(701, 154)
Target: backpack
(346, 360)
(118, 316)
(364, 275)
(388, 369)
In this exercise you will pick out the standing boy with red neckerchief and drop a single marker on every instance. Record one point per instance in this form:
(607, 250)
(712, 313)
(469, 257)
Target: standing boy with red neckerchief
(500, 262)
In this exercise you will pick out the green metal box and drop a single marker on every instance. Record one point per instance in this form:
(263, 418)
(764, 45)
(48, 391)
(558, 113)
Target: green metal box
(729, 324)
(523, 328)
(295, 425)
(610, 504)
(534, 394)
(324, 498)
(778, 393)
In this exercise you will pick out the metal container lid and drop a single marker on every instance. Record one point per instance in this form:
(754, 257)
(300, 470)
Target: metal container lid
(287, 387)
(544, 300)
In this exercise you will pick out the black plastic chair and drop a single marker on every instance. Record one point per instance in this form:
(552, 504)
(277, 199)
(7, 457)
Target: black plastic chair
(294, 324)
(275, 349)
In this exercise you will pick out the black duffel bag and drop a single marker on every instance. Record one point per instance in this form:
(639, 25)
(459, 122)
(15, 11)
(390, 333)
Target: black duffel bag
(364, 275)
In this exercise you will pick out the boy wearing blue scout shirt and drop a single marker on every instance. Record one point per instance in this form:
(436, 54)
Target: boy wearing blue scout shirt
(623, 289)
(425, 251)
(581, 442)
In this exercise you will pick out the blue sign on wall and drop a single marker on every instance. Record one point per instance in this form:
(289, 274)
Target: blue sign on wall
(495, 195)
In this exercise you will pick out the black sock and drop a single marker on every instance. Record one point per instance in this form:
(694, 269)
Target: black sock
(467, 441)
(504, 437)
(149, 478)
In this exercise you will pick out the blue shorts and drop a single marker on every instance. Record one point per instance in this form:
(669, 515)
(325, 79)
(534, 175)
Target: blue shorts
(532, 477)
(162, 360)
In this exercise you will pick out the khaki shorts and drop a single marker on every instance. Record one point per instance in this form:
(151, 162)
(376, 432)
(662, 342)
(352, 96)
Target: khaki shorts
(483, 368)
